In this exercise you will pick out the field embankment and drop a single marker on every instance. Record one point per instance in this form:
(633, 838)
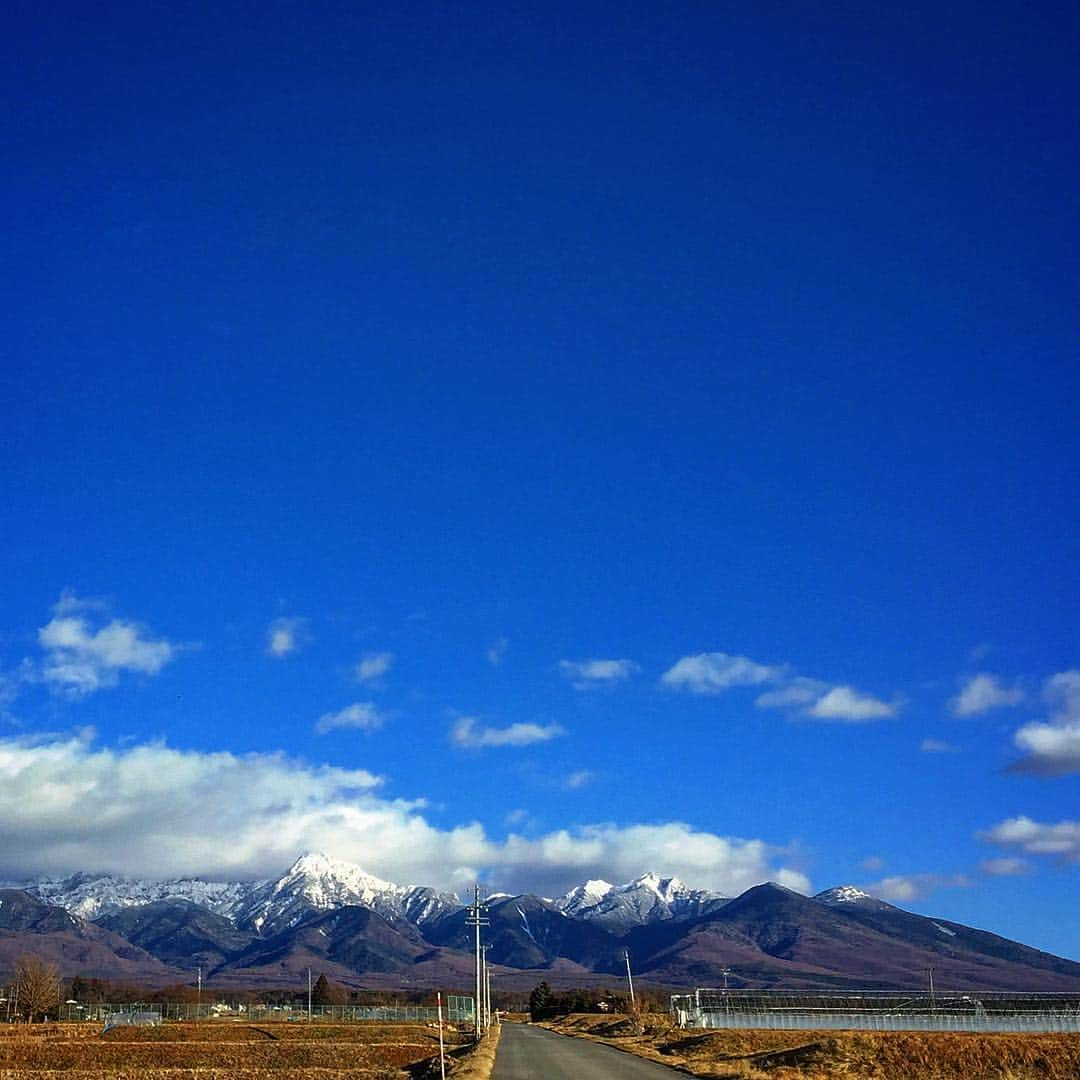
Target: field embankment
(834, 1055)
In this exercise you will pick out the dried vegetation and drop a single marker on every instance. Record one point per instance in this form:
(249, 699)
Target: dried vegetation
(839, 1055)
(219, 1051)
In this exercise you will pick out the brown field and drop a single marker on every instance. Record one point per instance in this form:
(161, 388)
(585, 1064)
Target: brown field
(836, 1055)
(218, 1050)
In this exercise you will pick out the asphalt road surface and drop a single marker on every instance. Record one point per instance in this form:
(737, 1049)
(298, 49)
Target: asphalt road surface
(530, 1053)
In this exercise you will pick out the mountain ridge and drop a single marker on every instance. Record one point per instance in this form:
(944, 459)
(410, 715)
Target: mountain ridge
(331, 913)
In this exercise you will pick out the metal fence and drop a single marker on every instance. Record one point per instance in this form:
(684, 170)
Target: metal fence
(457, 1009)
(877, 1011)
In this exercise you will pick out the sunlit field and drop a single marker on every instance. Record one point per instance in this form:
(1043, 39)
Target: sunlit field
(217, 1051)
(838, 1055)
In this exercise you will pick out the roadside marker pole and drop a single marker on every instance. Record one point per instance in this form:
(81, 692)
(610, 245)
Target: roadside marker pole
(442, 1055)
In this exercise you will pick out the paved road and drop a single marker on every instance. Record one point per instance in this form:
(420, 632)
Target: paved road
(531, 1053)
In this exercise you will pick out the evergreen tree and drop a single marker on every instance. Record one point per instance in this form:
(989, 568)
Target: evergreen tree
(321, 991)
(324, 992)
(540, 1002)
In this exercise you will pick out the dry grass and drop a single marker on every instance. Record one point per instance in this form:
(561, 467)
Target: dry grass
(217, 1051)
(817, 1055)
(478, 1063)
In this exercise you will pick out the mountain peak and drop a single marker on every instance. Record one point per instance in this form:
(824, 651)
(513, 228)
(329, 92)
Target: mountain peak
(317, 881)
(666, 889)
(319, 865)
(843, 894)
(649, 898)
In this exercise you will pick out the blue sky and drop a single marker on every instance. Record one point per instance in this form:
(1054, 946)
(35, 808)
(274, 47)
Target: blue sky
(546, 442)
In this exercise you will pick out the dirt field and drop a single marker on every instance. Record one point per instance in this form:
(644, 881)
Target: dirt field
(836, 1055)
(214, 1050)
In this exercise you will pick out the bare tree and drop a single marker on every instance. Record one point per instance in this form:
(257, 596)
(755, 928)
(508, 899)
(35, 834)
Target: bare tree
(37, 985)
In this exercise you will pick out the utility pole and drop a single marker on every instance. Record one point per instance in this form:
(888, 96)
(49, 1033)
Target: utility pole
(198, 998)
(484, 1012)
(309, 995)
(629, 979)
(477, 918)
(932, 1006)
(487, 988)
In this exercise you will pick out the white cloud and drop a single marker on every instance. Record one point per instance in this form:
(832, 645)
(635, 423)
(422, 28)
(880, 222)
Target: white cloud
(983, 692)
(713, 673)
(1037, 838)
(936, 746)
(1053, 750)
(577, 780)
(585, 674)
(468, 733)
(70, 603)
(907, 887)
(285, 636)
(800, 692)
(561, 859)
(154, 811)
(1053, 747)
(873, 863)
(80, 659)
(361, 716)
(1062, 692)
(845, 703)
(1005, 867)
(496, 651)
(373, 665)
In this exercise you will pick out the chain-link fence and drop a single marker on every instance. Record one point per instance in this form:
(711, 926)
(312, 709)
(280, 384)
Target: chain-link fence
(877, 1011)
(457, 1009)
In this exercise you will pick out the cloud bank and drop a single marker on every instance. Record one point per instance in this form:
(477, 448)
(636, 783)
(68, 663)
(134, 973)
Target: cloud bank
(154, 811)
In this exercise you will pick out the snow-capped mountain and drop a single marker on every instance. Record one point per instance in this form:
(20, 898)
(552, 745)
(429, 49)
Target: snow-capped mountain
(94, 896)
(647, 899)
(317, 882)
(361, 927)
(849, 894)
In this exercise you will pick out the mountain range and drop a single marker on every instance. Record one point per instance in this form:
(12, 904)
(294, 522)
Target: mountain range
(333, 917)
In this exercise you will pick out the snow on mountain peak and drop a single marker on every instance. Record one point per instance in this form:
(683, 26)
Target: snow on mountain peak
(323, 878)
(648, 898)
(321, 882)
(595, 888)
(843, 894)
(667, 889)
